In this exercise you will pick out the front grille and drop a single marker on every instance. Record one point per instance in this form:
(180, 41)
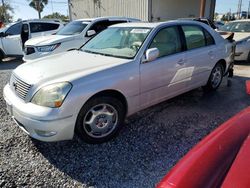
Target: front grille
(29, 50)
(20, 87)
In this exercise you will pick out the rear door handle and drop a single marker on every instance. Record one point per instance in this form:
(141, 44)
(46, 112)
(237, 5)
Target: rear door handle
(211, 53)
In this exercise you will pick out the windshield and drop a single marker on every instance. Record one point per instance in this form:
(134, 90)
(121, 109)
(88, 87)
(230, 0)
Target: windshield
(73, 28)
(236, 27)
(123, 42)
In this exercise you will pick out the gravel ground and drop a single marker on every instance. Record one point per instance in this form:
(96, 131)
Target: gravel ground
(150, 143)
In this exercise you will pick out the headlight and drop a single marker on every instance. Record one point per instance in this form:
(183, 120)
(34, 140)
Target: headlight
(52, 95)
(48, 48)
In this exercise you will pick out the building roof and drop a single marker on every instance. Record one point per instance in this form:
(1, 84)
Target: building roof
(107, 17)
(156, 24)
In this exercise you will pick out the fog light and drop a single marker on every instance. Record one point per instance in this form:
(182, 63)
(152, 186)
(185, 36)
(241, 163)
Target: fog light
(45, 133)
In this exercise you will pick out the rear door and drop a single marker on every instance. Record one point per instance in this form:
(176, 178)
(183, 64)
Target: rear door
(12, 40)
(200, 54)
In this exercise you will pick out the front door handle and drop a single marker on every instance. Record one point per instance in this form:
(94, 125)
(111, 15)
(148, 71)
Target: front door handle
(181, 62)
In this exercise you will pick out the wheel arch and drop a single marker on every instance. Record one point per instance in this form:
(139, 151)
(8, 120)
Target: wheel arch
(112, 93)
(223, 63)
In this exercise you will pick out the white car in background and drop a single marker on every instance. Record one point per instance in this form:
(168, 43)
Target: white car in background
(124, 69)
(72, 36)
(241, 29)
(14, 35)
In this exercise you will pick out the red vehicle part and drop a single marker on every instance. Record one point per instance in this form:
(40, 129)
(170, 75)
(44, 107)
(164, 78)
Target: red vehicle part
(248, 87)
(222, 159)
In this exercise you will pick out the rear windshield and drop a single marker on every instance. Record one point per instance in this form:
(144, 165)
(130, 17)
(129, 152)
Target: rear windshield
(73, 28)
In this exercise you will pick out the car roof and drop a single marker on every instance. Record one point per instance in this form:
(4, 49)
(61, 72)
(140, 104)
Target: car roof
(156, 24)
(245, 20)
(43, 20)
(107, 17)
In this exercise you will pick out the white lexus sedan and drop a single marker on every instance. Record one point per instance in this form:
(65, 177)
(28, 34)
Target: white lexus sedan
(241, 29)
(122, 70)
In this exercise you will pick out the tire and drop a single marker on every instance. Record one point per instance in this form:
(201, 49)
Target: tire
(1, 56)
(248, 58)
(100, 119)
(215, 78)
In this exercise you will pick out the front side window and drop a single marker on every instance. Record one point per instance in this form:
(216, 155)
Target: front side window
(73, 28)
(194, 37)
(100, 26)
(14, 29)
(167, 41)
(122, 42)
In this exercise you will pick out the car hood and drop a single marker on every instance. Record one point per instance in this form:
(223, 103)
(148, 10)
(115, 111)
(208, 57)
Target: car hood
(65, 67)
(48, 40)
(238, 36)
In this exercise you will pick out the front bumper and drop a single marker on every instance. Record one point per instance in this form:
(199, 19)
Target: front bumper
(41, 123)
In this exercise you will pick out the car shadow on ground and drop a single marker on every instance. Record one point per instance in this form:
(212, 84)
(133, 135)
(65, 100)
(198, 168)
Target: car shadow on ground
(10, 63)
(151, 141)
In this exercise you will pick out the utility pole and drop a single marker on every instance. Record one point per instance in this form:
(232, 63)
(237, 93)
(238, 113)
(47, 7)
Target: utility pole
(248, 10)
(239, 9)
(69, 7)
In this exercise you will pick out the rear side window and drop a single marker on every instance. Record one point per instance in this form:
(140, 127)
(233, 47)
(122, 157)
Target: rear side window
(15, 29)
(194, 37)
(36, 27)
(167, 41)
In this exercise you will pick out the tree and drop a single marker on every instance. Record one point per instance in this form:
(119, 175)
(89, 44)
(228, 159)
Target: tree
(216, 16)
(38, 5)
(56, 15)
(5, 13)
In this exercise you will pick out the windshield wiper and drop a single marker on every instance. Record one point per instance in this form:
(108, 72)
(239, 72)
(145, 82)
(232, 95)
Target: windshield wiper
(93, 52)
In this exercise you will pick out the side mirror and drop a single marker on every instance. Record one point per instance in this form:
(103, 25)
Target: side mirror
(152, 54)
(2, 34)
(90, 33)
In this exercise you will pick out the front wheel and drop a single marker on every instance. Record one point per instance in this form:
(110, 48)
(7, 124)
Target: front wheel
(100, 119)
(215, 78)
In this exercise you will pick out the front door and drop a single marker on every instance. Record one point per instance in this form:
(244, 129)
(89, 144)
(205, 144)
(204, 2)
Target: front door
(166, 76)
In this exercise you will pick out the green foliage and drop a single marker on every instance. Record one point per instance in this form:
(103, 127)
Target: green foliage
(5, 13)
(56, 15)
(38, 5)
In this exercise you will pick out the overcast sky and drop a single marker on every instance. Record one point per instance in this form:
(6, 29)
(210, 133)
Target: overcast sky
(24, 11)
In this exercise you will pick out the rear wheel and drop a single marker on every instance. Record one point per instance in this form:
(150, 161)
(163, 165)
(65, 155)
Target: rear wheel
(215, 78)
(1, 56)
(100, 119)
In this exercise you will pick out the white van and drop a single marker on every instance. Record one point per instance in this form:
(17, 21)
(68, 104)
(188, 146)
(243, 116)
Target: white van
(72, 36)
(14, 35)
